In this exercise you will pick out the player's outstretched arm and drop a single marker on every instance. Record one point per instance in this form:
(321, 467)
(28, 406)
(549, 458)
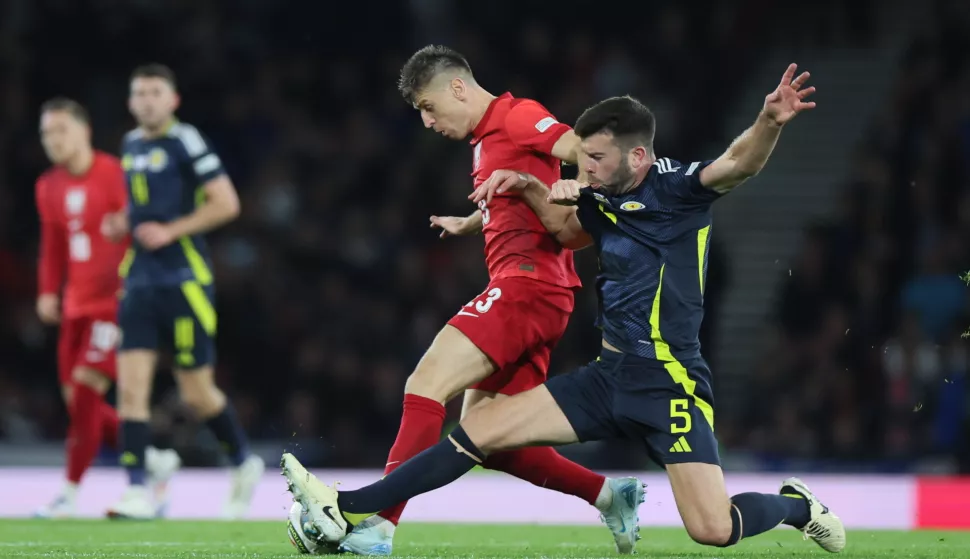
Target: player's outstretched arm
(452, 226)
(749, 153)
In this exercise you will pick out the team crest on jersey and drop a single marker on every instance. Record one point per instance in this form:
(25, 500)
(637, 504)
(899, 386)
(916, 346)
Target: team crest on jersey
(74, 201)
(477, 156)
(631, 206)
(157, 159)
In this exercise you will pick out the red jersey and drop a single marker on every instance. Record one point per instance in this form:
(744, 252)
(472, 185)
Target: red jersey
(71, 209)
(518, 134)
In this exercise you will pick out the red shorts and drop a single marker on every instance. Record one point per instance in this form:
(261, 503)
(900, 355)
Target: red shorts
(516, 322)
(88, 341)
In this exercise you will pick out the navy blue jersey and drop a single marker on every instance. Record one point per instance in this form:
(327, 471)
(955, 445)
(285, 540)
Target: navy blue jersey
(652, 243)
(165, 176)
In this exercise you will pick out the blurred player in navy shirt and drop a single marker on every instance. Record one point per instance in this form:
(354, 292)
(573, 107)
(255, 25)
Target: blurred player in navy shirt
(177, 191)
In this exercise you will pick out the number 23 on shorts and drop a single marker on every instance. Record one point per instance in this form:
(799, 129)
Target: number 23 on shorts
(679, 416)
(482, 305)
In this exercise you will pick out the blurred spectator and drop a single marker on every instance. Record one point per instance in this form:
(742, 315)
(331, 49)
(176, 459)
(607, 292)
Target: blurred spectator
(873, 312)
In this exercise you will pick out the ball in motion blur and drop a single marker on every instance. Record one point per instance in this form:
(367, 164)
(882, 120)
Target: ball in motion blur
(303, 535)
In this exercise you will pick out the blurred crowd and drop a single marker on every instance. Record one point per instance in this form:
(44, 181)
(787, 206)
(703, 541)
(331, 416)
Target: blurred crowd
(870, 361)
(331, 284)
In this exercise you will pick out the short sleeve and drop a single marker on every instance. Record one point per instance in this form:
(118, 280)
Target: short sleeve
(531, 126)
(682, 182)
(40, 198)
(205, 164)
(119, 187)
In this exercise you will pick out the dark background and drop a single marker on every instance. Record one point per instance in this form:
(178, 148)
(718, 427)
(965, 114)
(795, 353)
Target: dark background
(331, 285)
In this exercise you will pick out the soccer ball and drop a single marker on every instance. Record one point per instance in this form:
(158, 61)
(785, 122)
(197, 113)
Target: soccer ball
(303, 535)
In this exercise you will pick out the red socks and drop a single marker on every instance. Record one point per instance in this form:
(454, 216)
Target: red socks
(544, 467)
(84, 436)
(420, 429)
(421, 426)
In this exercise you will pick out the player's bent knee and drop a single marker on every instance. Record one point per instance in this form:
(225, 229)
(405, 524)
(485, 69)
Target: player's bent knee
(709, 531)
(133, 401)
(198, 390)
(92, 378)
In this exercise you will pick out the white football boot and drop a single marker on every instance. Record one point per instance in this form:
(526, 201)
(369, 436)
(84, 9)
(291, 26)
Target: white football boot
(245, 478)
(823, 527)
(318, 500)
(63, 506)
(621, 514)
(135, 504)
(373, 537)
(160, 466)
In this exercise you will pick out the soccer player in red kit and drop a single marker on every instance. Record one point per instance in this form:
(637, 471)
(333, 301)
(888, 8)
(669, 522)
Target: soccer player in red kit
(499, 344)
(73, 197)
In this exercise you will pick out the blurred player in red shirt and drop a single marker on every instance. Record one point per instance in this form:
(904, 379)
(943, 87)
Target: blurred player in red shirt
(73, 197)
(499, 344)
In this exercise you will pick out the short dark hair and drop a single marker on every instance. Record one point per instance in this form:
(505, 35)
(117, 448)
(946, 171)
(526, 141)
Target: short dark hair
(424, 65)
(629, 120)
(155, 70)
(70, 106)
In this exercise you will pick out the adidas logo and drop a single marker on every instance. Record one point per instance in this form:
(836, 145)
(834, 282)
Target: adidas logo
(680, 446)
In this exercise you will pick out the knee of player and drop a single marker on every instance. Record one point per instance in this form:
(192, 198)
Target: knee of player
(428, 380)
(133, 399)
(205, 401)
(710, 530)
(92, 379)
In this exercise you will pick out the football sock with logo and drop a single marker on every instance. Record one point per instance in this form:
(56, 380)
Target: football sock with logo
(421, 424)
(755, 513)
(545, 467)
(135, 437)
(85, 441)
(110, 425)
(227, 429)
(435, 467)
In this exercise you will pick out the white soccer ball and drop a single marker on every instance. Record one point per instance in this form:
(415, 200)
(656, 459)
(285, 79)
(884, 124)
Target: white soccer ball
(303, 535)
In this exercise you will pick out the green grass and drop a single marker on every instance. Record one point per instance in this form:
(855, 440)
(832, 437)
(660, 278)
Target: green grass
(265, 540)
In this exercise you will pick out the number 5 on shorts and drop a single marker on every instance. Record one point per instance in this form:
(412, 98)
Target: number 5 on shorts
(678, 410)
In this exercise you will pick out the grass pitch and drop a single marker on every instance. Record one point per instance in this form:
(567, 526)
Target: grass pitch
(267, 540)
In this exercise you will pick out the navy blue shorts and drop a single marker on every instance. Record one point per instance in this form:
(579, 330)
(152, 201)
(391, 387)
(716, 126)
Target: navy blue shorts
(668, 406)
(177, 317)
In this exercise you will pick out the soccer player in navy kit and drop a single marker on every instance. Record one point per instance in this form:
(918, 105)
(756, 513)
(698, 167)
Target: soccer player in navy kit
(650, 221)
(177, 191)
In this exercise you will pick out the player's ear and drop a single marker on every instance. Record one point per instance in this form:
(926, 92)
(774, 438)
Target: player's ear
(638, 156)
(458, 88)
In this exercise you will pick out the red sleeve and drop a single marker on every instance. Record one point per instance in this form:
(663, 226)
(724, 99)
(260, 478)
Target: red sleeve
(531, 126)
(115, 180)
(53, 246)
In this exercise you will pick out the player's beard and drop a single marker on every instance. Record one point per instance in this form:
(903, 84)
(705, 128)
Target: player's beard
(621, 181)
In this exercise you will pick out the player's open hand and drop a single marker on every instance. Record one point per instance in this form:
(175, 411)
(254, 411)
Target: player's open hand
(500, 181)
(49, 308)
(565, 192)
(454, 226)
(152, 235)
(788, 99)
(114, 226)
